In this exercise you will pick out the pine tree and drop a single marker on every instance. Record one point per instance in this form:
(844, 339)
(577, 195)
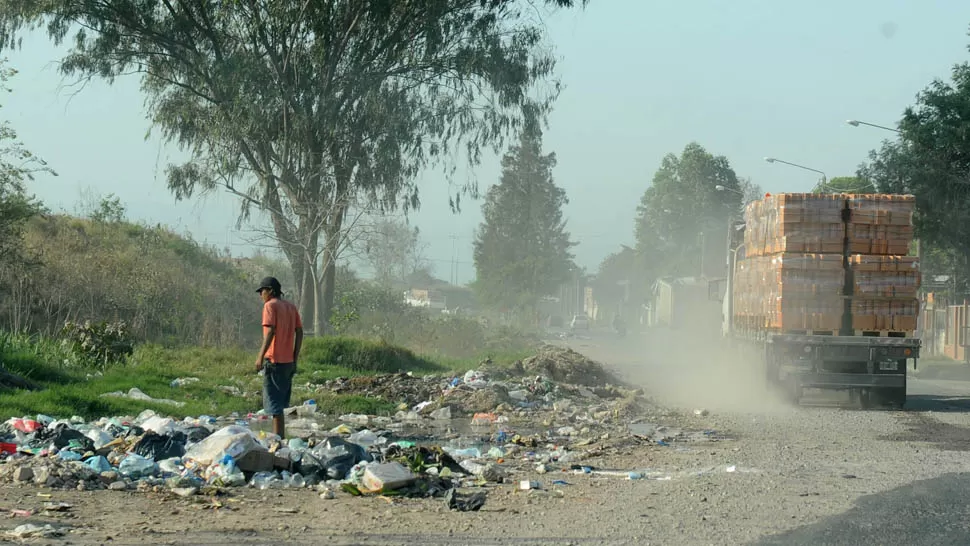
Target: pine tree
(522, 248)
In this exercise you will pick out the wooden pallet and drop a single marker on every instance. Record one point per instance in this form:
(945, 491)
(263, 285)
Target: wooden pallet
(886, 333)
(811, 332)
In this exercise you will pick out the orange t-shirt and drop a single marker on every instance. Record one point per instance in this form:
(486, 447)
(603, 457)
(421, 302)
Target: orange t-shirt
(286, 318)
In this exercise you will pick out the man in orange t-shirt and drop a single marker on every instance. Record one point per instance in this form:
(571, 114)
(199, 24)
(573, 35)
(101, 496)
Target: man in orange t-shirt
(282, 340)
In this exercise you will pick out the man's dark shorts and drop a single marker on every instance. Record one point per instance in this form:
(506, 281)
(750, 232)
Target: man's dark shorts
(277, 385)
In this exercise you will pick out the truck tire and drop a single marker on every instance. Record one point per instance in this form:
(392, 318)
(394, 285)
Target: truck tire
(894, 397)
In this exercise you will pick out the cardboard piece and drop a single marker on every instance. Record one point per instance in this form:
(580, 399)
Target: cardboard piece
(387, 477)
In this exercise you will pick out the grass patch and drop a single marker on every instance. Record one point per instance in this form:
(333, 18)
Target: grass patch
(360, 356)
(77, 391)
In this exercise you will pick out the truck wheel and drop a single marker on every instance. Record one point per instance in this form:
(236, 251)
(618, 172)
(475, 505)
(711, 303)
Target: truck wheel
(894, 397)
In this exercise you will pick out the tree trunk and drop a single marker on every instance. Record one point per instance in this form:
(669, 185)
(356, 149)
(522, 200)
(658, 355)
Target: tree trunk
(329, 287)
(331, 249)
(308, 303)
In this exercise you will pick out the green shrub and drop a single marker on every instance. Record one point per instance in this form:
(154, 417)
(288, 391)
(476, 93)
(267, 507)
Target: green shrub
(98, 343)
(361, 356)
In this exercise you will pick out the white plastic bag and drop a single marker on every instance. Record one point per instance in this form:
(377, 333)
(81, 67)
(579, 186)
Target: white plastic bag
(233, 440)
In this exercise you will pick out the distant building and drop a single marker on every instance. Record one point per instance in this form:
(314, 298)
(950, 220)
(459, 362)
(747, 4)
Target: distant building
(425, 298)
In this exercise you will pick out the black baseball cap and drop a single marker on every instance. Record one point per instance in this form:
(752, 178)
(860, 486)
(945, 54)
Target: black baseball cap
(269, 282)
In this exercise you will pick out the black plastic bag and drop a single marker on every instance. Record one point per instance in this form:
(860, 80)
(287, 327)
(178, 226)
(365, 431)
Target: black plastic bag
(135, 430)
(159, 447)
(338, 456)
(472, 502)
(197, 434)
(61, 436)
(309, 465)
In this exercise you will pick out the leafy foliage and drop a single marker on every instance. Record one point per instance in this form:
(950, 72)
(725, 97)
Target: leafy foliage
(315, 106)
(395, 252)
(98, 343)
(364, 299)
(682, 202)
(619, 280)
(846, 184)
(522, 248)
(17, 166)
(110, 210)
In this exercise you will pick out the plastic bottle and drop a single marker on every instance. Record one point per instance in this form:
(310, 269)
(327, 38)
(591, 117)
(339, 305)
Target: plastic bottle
(266, 480)
(365, 438)
(294, 480)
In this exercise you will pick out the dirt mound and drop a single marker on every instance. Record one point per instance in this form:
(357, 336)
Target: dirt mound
(565, 365)
(397, 388)
(482, 400)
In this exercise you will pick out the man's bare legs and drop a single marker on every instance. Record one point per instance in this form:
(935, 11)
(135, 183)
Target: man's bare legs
(279, 426)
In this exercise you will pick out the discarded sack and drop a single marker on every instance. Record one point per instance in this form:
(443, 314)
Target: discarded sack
(464, 503)
(338, 456)
(159, 447)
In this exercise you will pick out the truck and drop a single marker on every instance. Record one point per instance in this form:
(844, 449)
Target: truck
(821, 291)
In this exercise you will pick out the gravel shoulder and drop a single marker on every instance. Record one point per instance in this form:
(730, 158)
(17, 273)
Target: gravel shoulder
(792, 468)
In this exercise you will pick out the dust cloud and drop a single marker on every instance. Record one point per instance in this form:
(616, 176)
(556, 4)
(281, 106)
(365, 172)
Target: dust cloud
(682, 369)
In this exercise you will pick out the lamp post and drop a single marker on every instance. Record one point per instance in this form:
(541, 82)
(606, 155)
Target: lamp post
(856, 123)
(803, 167)
(719, 187)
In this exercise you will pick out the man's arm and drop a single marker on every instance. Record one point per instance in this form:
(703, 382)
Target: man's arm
(267, 341)
(298, 343)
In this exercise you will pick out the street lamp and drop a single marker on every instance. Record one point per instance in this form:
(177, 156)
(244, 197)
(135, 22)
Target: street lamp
(856, 123)
(719, 187)
(775, 160)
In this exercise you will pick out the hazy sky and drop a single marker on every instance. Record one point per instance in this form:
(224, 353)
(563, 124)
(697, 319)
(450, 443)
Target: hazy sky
(744, 78)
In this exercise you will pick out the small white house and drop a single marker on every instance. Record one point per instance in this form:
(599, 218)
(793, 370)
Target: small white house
(425, 298)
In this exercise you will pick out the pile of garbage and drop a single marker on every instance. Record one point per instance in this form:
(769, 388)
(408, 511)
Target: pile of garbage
(152, 452)
(361, 455)
(554, 374)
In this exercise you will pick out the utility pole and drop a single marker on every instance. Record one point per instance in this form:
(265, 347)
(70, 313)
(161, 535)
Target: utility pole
(453, 274)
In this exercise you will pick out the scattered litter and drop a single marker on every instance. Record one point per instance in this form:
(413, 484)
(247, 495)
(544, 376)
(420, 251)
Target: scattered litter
(29, 530)
(136, 394)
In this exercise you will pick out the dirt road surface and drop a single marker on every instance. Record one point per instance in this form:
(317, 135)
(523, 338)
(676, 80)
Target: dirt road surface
(816, 474)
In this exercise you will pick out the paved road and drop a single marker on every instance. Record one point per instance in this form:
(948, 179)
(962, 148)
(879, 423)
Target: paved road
(931, 512)
(914, 464)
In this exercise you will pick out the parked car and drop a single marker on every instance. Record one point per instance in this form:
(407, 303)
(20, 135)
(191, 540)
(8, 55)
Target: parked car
(579, 322)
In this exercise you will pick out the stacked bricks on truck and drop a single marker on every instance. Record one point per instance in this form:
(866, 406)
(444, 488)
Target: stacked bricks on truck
(825, 285)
